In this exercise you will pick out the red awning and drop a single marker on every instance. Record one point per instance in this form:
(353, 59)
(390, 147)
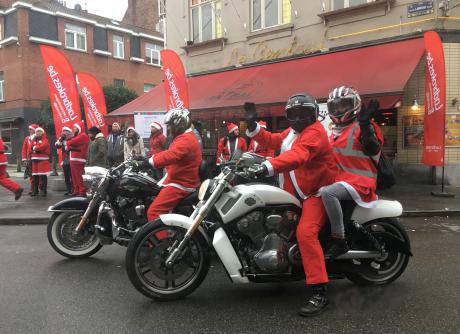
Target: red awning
(380, 70)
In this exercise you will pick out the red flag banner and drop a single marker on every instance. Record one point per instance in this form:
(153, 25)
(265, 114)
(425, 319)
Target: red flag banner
(93, 101)
(435, 101)
(175, 81)
(63, 89)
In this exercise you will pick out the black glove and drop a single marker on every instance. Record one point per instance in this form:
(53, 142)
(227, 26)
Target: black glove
(140, 158)
(367, 113)
(141, 163)
(257, 170)
(250, 115)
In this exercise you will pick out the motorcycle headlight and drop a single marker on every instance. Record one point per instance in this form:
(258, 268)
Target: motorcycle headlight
(205, 186)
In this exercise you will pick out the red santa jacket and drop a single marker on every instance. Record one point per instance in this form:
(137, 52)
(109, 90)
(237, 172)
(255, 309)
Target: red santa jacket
(3, 159)
(182, 161)
(26, 147)
(78, 145)
(40, 149)
(255, 147)
(224, 149)
(357, 172)
(306, 162)
(157, 142)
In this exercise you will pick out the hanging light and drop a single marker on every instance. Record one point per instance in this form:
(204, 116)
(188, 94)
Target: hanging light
(415, 105)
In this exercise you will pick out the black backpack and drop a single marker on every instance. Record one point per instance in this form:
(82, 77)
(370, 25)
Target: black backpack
(386, 174)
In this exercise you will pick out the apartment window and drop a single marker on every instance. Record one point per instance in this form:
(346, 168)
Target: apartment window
(118, 47)
(339, 4)
(161, 8)
(2, 87)
(75, 37)
(270, 13)
(148, 87)
(152, 54)
(119, 83)
(206, 20)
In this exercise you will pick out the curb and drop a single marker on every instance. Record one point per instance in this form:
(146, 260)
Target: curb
(406, 214)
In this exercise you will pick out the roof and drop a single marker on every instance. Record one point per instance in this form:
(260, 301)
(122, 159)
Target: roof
(379, 70)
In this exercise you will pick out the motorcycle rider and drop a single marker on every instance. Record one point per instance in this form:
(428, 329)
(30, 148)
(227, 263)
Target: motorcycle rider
(356, 142)
(305, 164)
(256, 148)
(230, 144)
(182, 162)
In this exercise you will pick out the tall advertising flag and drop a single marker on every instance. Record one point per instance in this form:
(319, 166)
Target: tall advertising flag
(93, 101)
(175, 81)
(63, 89)
(435, 101)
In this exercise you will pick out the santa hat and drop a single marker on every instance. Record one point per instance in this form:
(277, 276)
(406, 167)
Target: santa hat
(80, 126)
(231, 127)
(156, 125)
(33, 126)
(130, 128)
(66, 128)
(263, 124)
(39, 129)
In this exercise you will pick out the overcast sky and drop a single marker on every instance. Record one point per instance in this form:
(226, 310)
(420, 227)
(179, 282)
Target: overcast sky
(115, 9)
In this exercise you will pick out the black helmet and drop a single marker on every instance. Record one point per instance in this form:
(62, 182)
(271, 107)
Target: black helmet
(301, 111)
(178, 121)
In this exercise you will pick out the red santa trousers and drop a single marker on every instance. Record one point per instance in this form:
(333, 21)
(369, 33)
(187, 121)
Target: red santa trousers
(77, 169)
(312, 220)
(7, 182)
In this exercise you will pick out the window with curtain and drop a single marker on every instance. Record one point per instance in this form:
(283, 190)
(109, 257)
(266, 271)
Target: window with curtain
(75, 37)
(270, 13)
(206, 20)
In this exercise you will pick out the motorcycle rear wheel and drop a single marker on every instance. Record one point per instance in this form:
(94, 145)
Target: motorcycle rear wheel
(391, 265)
(63, 241)
(146, 256)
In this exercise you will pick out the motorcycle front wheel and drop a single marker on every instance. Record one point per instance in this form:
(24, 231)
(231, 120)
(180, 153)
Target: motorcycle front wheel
(146, 256)
(61, 236)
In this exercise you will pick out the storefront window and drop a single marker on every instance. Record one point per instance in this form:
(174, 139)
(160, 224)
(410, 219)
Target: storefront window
(270, 13)
(206, 20)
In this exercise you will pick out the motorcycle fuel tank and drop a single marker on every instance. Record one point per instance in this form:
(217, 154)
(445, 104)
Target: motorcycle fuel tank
(137, 185)
(242, 199)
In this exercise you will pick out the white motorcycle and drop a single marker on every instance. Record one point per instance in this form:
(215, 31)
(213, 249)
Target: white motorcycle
(252, 228)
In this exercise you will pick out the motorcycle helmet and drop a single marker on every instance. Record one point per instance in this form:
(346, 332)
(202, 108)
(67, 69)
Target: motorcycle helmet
(301, 111)
(343, 105)
(178, 121)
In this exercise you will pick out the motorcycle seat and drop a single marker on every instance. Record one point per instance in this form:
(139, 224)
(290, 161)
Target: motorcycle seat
(190, 200)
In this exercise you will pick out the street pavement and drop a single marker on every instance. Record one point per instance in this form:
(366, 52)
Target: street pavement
(42, 292)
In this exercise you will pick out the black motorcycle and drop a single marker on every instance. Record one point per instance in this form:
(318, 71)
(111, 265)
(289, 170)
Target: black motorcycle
(113, 211)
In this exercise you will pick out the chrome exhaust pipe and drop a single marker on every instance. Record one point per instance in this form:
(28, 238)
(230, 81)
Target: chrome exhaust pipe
(357, 254)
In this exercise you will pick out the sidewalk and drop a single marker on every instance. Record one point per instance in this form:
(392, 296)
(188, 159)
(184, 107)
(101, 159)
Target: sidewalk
(416, 201)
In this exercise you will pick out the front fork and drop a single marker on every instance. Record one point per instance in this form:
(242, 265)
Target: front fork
(85, 218)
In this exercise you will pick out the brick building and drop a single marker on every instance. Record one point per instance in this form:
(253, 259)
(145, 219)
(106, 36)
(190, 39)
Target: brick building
(117, 53)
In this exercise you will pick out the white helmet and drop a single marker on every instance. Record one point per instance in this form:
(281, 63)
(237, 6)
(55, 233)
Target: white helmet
(178, 120)
(343, 105)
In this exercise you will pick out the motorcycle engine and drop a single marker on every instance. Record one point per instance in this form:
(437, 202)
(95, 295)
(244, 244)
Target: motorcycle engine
(270, 236)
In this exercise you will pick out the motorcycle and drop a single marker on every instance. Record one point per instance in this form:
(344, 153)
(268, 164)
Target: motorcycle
(112, 212)
(252, 228)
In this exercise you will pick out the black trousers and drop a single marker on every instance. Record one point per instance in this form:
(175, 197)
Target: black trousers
(67, 177)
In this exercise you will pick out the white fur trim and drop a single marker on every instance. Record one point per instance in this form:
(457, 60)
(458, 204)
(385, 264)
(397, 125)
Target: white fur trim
(39, 129)
(156, 125)
(77, 126)
(269, 166)
(181, 187)
(130, 128)
(77, 159)
(254, 133)
(354, 194)
(66, 128)
(40, 158)
(46, 173)
(233, 129)
(151, 161)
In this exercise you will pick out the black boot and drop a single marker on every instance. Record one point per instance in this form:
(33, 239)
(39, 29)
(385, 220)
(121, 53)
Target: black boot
(35, 189)
(44, 186)
(316, 303)
(337, 246)
(18, 194)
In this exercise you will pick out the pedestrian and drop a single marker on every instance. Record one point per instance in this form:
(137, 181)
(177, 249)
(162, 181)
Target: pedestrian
(5, 181)
(26, 151)
(230, 144)
(41, 166)
(60, 144)
(306, 163)
(357, 142)
(134, 144)
(115, 146)
(157, 139)
(97, 151)
(78, 151)
(255, 147)
(198, 136)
